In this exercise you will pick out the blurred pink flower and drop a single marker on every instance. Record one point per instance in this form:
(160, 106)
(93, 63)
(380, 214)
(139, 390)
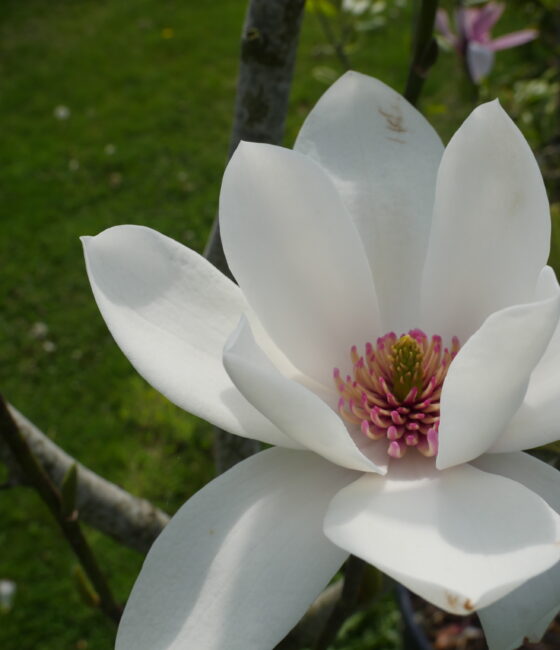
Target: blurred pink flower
(473, 39)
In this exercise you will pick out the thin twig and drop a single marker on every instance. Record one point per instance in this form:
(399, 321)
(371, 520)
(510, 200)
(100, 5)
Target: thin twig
(425, 49)
(336, 43)
(103, 505)
(68, 525)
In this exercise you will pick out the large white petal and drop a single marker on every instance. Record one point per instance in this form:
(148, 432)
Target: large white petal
(297, 256)
(537, 422)
(241, 561)
(383, 157)
(491, 228)
(171, 311)
(487, 380)
(524, 613)
(529, 610)
(460, 538)
(294, 409)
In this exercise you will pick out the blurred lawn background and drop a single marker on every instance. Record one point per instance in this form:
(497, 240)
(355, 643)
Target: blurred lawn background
(114, 112)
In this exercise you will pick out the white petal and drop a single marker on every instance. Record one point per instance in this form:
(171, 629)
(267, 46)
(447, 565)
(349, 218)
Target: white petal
(491, 229)
(537, 422)
(383, 157)
(460, 538)
(488, 379)
(515, 617)
(241, 561)
(170, 311)
(293, 408)
(297, 256)
(529, 610)
(528, 470)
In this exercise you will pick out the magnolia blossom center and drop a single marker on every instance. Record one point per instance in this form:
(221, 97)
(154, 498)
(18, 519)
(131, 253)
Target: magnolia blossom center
(395, 392)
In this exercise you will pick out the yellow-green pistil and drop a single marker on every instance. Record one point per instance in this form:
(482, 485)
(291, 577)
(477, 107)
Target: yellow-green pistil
(406, 360)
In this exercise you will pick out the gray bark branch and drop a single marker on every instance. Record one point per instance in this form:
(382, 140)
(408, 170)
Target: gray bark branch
(103, 505)
(268, 53)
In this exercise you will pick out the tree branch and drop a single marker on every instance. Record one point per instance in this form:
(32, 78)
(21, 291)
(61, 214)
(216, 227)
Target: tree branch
(336, 43)
(425, 49)
(268, 52)
(64, 514)
(103, 505)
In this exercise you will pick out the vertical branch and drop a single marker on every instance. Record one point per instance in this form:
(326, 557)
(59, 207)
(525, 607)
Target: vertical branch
(268, 52)
(424, 51)
(67, 523)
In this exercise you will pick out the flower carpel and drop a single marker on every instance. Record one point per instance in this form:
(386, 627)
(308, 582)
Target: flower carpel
(395, 391)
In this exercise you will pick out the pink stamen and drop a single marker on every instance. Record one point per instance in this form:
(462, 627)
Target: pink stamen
(369, 399)
(429, 445)
(411, 439)
(394, 433)
(396, 449)
(397, 417)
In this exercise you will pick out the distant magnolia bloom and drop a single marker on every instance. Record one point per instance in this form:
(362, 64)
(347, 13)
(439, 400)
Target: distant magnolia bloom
(61, 112)
(356, 7)
(8, 590)
(473, 39)
(395, 335)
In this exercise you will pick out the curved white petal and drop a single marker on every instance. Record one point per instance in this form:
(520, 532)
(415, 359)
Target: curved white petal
(294, 409)
(490, 234)
(460, 538)
(528, 470)
(528, 610)
(383, 157)
(171, 311)
(227, 571)
(488, 378)
(297, 256)
(537, 422)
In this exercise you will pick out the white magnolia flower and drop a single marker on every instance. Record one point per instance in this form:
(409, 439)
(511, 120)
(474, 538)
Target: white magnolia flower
(367, 231)
(356, 7)
(8, 590)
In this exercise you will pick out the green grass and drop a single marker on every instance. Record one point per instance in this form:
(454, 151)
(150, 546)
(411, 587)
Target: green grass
(145, 142)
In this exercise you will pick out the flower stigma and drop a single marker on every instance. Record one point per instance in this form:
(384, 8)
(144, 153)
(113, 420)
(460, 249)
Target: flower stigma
(395, 392)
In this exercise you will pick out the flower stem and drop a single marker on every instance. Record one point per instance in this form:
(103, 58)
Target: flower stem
(425, 50)
(68, 525)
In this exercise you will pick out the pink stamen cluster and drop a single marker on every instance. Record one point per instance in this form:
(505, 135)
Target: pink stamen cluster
(368, 399)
